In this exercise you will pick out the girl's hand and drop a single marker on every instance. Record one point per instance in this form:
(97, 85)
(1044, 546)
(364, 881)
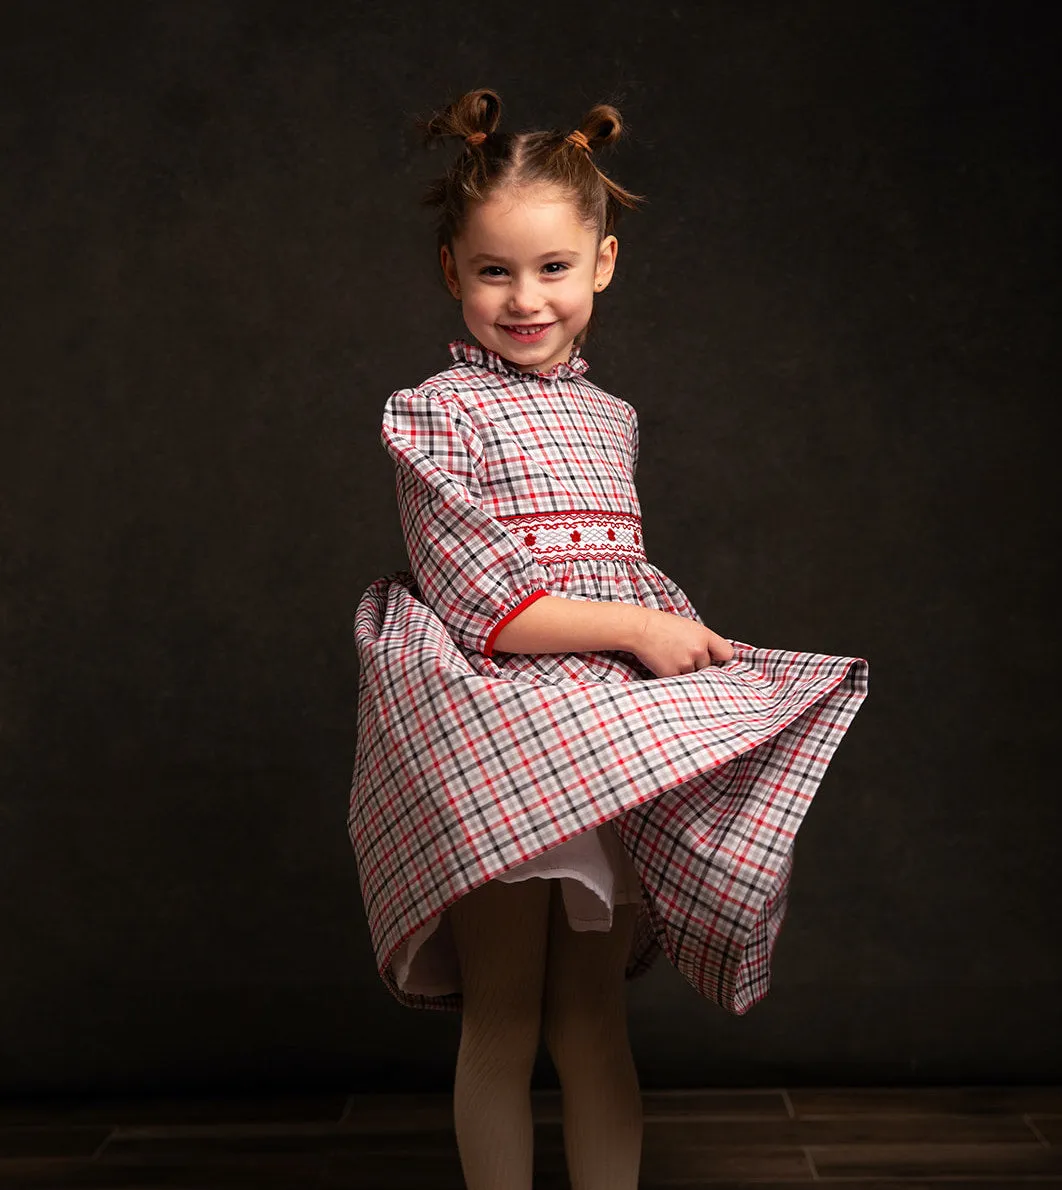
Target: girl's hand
(670, 645)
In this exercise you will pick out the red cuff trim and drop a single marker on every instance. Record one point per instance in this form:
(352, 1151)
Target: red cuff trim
(488, 648)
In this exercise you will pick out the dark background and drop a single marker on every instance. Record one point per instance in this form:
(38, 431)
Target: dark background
(836, 316)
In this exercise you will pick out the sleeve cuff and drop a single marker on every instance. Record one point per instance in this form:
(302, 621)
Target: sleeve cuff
(488, 648)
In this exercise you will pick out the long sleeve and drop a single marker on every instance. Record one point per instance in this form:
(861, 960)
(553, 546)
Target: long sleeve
(473, 573)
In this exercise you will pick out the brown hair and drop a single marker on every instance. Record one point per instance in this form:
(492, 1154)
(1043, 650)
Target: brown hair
(492, 159)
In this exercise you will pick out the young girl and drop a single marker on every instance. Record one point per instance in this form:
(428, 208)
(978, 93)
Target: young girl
(561, 770)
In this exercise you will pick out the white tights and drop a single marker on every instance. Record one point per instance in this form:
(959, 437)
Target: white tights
(525, 971)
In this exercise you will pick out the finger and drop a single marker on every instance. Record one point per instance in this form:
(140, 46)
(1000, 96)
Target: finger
(722, 652)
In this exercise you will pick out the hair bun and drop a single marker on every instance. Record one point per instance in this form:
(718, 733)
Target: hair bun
(475, 114)
(602, 125)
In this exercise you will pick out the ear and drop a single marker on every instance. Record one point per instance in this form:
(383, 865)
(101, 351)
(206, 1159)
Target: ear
(449, 268)
(606, 262)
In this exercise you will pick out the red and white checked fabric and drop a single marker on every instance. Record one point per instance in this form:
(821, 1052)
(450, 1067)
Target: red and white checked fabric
(512, 485)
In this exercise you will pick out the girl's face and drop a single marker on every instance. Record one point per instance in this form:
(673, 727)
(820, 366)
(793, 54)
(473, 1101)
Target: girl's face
(526, 269)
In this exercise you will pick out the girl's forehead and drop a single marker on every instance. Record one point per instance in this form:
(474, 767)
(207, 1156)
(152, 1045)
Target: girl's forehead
(528, 193)
(525, 213)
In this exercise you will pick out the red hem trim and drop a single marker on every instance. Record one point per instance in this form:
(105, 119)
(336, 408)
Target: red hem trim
(488, 648)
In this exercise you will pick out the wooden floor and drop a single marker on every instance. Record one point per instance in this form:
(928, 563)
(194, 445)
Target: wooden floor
(976, 1137)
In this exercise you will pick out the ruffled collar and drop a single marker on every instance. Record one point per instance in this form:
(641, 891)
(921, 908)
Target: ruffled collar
(473, 353)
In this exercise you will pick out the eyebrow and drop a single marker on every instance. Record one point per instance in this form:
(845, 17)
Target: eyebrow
(481, 256)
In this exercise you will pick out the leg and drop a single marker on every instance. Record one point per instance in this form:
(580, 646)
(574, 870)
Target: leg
(500, 934)
(585, 1029)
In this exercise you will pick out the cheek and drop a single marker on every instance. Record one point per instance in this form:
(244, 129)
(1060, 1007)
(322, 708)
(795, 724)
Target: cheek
(481, 301)
(581, 300)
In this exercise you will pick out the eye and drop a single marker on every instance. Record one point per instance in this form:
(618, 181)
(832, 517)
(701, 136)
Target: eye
(559, 265)
(491, 270)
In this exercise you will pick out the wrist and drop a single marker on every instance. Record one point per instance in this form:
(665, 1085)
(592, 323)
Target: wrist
(631, 620)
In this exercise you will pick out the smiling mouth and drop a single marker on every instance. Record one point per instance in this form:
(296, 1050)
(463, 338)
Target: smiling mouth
(529, 332)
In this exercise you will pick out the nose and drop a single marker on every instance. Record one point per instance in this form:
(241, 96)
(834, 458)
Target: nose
(524, 296)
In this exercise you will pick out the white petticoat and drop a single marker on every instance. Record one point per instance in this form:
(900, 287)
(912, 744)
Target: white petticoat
(596, 874)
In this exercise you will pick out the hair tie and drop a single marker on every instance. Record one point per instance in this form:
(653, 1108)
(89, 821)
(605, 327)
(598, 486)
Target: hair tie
(475, 138)
(578, 139)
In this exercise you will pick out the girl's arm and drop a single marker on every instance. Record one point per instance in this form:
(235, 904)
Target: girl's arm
(554, 624)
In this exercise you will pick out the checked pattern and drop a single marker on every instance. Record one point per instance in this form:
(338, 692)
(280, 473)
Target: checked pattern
(469, 763)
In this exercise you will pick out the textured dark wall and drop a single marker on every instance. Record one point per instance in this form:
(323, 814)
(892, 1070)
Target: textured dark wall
(836, 317)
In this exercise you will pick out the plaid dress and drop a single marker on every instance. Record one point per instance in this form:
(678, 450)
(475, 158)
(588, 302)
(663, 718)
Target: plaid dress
(683, 793)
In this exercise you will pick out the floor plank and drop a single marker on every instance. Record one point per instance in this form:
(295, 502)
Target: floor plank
(934, 1160)
(113, 1111)
(967, 1101)
(313, 1175)
(44, 1141)
(1049, 1127)
(871, 1138)
(306, 1173)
